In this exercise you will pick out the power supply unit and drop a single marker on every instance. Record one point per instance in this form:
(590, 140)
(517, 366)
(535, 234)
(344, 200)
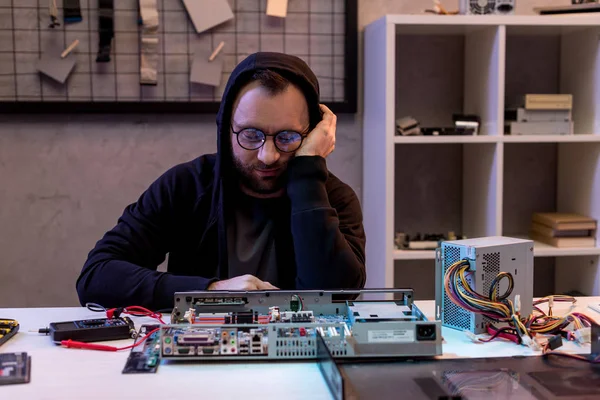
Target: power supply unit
(487, 7)
(487, 256)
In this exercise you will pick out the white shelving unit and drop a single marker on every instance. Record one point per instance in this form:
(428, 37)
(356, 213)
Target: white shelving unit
(430, 67)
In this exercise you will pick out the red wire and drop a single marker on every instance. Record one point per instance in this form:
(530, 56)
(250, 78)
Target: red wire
(137, 311)
(501, 333)
(139, 341)
(91, 346)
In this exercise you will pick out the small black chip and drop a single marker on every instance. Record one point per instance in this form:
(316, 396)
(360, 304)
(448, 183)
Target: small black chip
(555, 342)
(14, 368)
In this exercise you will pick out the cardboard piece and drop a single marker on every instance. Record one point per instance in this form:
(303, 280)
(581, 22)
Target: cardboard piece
(149, 61)
(277, 8)
(206, 72)
(53, 65)
(206, 14)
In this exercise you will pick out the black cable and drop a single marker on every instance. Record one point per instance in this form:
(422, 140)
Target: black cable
(105, 29)
(95, 307)
(495, 286)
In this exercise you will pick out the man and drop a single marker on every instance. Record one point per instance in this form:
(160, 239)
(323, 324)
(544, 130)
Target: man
(262, 213)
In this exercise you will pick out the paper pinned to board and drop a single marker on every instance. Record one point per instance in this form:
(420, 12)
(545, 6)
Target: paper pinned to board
(277, 8)
(206, 14)
(54, 65)
(207, 67)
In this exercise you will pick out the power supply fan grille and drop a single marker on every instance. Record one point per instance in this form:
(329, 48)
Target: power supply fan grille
(454, 316)
(491, 268)
(482, 6)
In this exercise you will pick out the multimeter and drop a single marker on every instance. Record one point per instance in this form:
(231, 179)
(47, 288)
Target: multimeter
(92, 330)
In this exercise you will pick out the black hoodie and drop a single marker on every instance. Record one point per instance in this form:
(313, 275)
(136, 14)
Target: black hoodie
(320, 241)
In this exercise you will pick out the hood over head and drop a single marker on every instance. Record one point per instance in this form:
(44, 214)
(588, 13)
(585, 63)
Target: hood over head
(291, 68)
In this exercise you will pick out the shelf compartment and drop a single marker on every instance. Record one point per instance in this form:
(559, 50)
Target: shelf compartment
(555, 60)
(550, 177)
(453, 71)
(446, 187)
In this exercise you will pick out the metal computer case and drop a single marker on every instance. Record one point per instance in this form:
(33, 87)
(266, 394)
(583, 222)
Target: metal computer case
(487, 257)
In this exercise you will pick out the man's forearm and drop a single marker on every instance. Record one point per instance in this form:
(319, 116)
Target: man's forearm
(116, 283)
(326, 257)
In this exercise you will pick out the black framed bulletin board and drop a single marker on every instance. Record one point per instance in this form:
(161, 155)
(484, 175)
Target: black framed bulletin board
(324, 33)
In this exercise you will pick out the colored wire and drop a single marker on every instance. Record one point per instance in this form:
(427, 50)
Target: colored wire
(547, 352)
(498, 308)
(300, 301)
(92, 346)
(135, 311)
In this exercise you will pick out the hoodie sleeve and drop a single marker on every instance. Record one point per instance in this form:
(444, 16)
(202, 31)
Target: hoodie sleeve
(121, 270)
(328, 235)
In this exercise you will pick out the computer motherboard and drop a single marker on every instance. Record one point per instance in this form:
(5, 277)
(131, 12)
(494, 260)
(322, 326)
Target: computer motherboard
(278, 325)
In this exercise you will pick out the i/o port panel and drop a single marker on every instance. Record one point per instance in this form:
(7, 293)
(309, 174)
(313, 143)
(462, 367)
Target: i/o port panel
(283, 340)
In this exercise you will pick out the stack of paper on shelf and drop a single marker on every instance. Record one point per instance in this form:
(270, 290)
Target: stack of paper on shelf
(563, 230)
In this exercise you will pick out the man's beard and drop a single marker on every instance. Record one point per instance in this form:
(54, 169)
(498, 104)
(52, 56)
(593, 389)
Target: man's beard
(263, 186)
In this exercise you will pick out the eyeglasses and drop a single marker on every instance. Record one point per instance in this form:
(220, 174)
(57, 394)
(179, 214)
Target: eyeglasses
(254, 139)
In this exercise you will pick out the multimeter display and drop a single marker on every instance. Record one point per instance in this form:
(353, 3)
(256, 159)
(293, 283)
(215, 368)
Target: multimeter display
(92, 330)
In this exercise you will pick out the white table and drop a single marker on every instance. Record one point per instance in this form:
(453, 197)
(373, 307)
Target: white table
(60, 373)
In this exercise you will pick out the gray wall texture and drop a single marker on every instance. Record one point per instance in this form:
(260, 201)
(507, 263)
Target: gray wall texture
(64, 180)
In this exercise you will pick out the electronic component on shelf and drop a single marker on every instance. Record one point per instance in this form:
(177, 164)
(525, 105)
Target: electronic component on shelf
(548, 101)
(522, 114)
(403, 241)
(465, 124)
(540, 128)
(145, 358)
(541, 114)
(575, 8)
(448, 131)
(487, 257)
(8, 329)
(487, 7)
(92, 330)
(407, 126)
(285, 324)
(14, 368)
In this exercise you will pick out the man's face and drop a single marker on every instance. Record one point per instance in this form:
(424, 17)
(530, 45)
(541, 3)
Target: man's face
(262, 171)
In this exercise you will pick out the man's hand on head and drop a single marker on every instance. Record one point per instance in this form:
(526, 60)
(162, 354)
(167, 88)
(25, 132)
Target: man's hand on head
(244, 282)
(321, 140)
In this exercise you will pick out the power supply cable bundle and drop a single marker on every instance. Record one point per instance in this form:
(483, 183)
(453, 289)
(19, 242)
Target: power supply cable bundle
(521, 329)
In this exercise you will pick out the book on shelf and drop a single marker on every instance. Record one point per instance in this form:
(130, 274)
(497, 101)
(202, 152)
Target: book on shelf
(564, 242)
(551, 232)
(564, 221)
(563, 229)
